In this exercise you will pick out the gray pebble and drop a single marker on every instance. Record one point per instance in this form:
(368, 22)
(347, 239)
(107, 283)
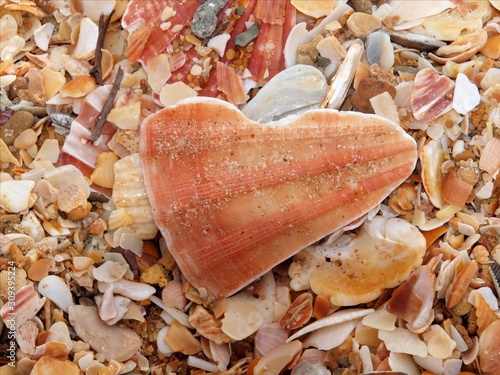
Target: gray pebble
(205, 18)
(247, 36)
(14, 126)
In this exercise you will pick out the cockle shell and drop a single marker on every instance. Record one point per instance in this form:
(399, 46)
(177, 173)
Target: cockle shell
(233, 197)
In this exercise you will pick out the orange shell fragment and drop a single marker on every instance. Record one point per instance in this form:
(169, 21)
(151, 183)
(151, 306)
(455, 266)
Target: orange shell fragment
(233, 198)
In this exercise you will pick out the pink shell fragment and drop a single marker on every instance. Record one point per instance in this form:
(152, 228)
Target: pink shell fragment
(432, 95)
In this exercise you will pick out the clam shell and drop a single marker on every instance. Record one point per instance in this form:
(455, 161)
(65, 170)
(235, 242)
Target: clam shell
(233, 197)
(26, 337)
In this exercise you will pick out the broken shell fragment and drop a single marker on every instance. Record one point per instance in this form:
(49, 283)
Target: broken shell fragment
(227, 190)
(412, 301)
(118, 343)
(26, 306)
(355, 269)
(55, 289)
(15, 195)
(432, 95)
(489, 347)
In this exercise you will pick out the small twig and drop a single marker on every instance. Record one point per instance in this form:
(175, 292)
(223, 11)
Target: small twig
(107, 106)
(96, 71)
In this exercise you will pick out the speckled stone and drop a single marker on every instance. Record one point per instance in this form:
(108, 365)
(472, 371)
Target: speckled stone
(14, 126)
(205, 18)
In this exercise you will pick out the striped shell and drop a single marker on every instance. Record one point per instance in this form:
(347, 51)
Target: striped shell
(233, 198)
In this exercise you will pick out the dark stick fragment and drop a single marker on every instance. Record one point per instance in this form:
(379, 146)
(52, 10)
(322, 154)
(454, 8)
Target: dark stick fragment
(96, 71)
(107, 106)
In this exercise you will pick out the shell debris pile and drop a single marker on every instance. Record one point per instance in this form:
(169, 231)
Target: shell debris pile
(249, 187)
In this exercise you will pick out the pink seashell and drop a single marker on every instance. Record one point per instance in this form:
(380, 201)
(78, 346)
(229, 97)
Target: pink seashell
(490, 157)
(233, 198)
(26, 337)
(269, 337)
(432, 95)
(173, 296)
(231, 84)
(23, 308)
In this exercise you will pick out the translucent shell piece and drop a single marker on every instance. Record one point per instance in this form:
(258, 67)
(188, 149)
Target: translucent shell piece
(233, 197)
(432, 95)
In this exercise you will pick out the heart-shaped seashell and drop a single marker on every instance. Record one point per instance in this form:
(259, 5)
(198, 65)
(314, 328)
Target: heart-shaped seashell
(233, 197)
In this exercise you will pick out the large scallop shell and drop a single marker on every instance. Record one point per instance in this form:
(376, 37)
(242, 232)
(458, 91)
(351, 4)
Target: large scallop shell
(233, 197)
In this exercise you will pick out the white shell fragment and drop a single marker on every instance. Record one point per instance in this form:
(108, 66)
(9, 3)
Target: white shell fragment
(402, 340)
(466, 95)
(42, 35)
(298, 87)
(55, 289)
(379, 50)
(15, 195)
(87, 39)
(245, 314)
(335, 318)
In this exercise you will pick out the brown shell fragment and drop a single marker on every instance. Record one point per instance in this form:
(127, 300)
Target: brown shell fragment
(233, 198)
(456, 191)
(459, 285)
(298, 313)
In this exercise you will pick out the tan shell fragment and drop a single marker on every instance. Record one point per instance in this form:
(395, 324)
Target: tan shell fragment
(78, 87)
(462, 49)
(489, 347)
(233, 197)
(382, 255)
(460, 283)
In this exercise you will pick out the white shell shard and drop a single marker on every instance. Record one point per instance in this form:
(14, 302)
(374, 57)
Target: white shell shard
(87, 39)
(15, 195)
(466, 95)
(130, 289)
(93, 9)
(335, 318)
(110, 271)
(66, 175)
(401, 340)
(379, 50)
(380, 319)
(404, 363)
(55, 289)
(163, 348)
(297, 87)
(245, 313)
(327, 338)
(59, 332)
(42, 35)
(407, 11)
